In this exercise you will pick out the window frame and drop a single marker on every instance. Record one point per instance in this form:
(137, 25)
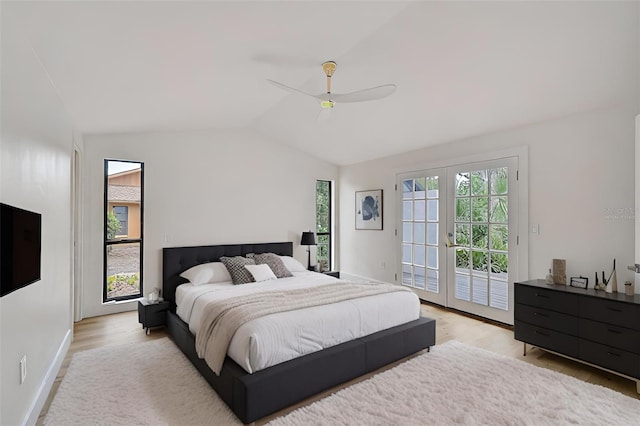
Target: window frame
(329, 234)
(119, 241)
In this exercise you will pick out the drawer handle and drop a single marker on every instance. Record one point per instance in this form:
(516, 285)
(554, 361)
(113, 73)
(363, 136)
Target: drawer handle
(613, 354)
(614, 331)
(538, 314)
(544, 296)
(614, 309)
(542, 333)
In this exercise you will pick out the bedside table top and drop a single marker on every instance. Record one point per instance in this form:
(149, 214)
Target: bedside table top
(146, 302)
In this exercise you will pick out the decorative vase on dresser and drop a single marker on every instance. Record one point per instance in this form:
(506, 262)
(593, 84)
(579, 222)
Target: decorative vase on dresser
(594, 327)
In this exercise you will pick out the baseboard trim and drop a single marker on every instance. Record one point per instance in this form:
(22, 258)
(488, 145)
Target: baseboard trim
(45, 387)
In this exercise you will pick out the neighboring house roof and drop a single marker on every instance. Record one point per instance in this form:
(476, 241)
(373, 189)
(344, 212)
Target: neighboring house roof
(123, 193)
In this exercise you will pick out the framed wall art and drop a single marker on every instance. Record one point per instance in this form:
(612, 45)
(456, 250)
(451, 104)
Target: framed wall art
(369, 209)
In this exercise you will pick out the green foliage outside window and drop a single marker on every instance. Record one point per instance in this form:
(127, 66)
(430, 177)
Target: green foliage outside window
(113, 225)
(323, 221)
(482, 197)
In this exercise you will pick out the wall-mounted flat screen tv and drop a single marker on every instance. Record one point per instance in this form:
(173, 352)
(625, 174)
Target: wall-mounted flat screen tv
(20, 243)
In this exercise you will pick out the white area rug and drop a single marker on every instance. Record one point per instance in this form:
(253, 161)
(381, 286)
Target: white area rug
(154, 384)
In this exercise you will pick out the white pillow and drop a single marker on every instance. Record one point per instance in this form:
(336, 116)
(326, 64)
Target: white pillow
(206, 273)
(292, 264)
(261, 272)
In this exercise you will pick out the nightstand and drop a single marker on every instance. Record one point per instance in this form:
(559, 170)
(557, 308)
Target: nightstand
(152, 314)
(335, 274)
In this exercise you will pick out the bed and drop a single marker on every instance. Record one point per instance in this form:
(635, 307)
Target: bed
(252, 396)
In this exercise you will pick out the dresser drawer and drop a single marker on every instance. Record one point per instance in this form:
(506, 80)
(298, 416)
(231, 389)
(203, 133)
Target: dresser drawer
(546, 339)
(610, 312)
(545, 318)
(547, 299)
(614, 359)
(610, 335)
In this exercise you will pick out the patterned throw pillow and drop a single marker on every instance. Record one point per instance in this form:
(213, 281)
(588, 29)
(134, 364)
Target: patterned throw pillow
(235, 266)
(275, 263)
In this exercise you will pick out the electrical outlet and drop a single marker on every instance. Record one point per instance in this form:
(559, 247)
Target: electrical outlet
(23, 369)
(383, 265)
(535, 229)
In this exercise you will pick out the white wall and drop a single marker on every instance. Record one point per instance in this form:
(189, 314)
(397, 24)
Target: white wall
(36, 142)
(212, 187)
(581, 183)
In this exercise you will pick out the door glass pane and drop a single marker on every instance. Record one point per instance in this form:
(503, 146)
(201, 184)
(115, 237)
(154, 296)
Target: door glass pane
(407, 232)
(432, 281)
(407, 210)
(418, 211)
(479, 260)
(420, 188)
(418, 277)
(499, 181)
(479, 183)
(499, 266)
(462, 234)
(480, 209)
(432, 210)
(418, 232)
(479, 236)
(462, 185)
(406, 253)
(462, 258)
(406, 275)
(418, 255)
(463, 209)
(499, 237)
(499, 213)
(407, 189)
(432, 257)
(432, 233)
(432, 187)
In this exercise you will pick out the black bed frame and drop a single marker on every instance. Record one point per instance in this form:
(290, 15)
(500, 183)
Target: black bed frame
(253, 396)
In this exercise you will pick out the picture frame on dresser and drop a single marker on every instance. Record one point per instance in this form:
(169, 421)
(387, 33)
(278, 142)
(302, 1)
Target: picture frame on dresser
(580, 282)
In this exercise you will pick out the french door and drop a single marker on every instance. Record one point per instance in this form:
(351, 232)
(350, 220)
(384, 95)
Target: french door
(458, 238)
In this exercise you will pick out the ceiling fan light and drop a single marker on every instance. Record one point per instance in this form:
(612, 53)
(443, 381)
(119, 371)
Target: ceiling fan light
(327, 104)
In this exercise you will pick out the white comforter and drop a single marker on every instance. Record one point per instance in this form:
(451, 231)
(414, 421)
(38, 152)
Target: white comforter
(280, 337)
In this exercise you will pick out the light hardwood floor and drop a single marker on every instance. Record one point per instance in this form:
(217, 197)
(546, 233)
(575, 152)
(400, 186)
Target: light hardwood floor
(124, 328)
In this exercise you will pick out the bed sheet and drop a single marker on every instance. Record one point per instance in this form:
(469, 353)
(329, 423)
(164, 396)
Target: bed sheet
(277, 338)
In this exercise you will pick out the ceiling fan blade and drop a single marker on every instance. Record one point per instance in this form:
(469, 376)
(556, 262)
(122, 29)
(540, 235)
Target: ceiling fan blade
(370, 94)
(290, 89)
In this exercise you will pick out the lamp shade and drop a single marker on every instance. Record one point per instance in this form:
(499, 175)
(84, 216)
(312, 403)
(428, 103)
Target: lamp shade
(308, 239)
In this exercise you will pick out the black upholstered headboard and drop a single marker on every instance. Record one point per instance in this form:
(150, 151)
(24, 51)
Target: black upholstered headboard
(176, 260)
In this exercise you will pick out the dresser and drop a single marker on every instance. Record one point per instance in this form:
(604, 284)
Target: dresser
(591, 326)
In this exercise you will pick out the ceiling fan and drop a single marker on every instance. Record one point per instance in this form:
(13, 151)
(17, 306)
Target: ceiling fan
(328, 99)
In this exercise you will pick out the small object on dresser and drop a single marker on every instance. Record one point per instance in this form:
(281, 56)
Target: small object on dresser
(549, 277)
(628, 288)
(560, 271)
(581, 282)
(612, 282)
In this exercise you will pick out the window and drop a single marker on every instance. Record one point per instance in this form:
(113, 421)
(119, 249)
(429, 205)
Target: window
(324, 212)
(123, 214)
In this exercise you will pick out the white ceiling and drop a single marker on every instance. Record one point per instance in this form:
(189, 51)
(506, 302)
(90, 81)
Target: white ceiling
(462, 68)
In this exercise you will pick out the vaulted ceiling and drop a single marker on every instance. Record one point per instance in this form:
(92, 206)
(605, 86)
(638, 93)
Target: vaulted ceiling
(461, 68)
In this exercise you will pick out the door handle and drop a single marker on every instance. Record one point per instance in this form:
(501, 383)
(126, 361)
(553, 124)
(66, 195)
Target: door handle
(449, 243)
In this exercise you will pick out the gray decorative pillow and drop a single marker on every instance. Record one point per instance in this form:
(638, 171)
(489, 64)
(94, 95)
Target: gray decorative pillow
(235, 266)
(275, 263)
